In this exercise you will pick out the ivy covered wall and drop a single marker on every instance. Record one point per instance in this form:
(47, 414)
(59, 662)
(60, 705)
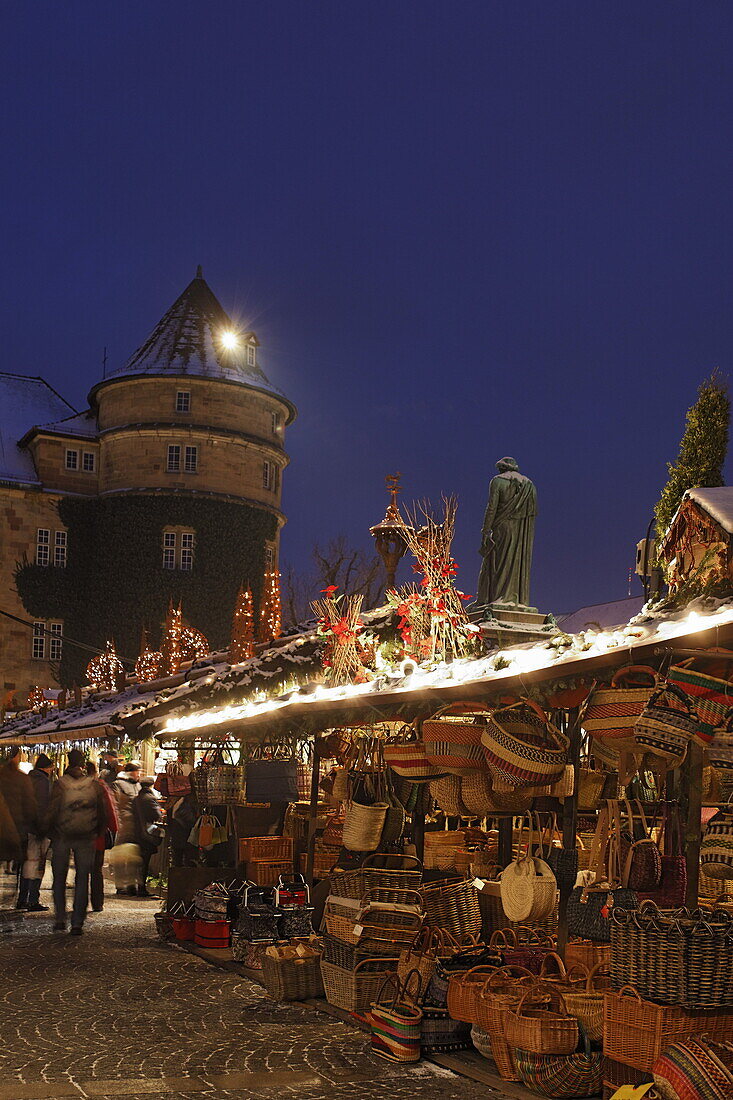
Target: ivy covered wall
(114, 583)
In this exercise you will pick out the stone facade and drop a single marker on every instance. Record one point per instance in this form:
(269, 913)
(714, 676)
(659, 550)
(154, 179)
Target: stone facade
(189, 415)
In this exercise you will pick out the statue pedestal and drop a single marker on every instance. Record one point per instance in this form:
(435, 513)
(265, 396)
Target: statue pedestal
(509, 624)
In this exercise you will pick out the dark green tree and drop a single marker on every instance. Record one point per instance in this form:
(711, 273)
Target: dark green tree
(702, 450)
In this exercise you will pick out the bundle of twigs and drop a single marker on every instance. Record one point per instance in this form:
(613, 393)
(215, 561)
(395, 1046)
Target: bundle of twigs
(340, 624)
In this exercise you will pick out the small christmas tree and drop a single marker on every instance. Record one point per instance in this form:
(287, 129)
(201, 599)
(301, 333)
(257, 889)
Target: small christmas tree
(242, 645)
(702, 450)
(36, 698)
(106, 671)
(171, 647)
(270, 621)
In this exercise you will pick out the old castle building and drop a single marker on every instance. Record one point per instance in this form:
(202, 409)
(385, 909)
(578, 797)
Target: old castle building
(169, 485)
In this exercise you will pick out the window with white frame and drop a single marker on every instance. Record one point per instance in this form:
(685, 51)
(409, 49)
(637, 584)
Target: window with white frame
(192, 460)
(178, 547)
(174, 458)
(38, 651)
(268, 475)
(169, 550)
(43, 544)
(251, 355)
(54, 641)
(187, 550)
(87, 462)
(59, 550)
(183, 401)
(275, 423)
(269, 557)
(72, 460)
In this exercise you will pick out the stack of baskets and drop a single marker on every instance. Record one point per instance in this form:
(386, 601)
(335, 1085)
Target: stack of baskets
(453, 906)
(370, 915)
(212, 910)
(266, 858)
(292, 972)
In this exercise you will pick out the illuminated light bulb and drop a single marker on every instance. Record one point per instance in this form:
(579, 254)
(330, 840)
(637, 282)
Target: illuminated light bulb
(229, 340)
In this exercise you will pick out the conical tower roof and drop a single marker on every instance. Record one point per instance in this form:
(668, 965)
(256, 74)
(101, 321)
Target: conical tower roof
(188, 341)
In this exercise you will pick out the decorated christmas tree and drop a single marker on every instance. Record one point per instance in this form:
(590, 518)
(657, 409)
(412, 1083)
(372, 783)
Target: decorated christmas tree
(702, 450)
(106, 671)
(150, 662)
(242, 645)
(270, 622)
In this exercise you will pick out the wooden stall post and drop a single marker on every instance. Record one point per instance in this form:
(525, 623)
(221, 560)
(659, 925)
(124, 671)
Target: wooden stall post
(691, 804)
(569, 822)
(418, 835)
(506, 836)
(312, 816)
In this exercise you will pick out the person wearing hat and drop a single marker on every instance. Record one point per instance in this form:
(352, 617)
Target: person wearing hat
(109, 767)
(76, 817)
(17, 790)
(148, 830)
(35, 861)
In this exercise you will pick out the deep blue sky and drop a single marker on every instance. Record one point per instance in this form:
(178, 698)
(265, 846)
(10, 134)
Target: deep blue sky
(461, 230)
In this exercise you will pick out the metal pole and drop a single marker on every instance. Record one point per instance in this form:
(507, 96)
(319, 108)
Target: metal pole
(569, 823)
(312, 815)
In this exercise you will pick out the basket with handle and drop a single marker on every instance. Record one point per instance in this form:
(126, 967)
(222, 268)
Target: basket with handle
(710, 697)
(447, 793)
(396, 1021)
(528, 886)
(586, 954)
(423, 953)
(584, 1000)
(591, 781)
(672, 889)
(522, 946)
(452, 737)
(397, 874)
(542, 1028)
(452, 906)
(405, 755)
(463, 990)
(522, 748)
(354, 990)
(611, 711)
(716, 848)
(562, 1075)
(292, 978)
(666, 725)
(503, 990)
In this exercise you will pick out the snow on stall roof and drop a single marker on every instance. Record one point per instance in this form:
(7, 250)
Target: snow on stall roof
(605, 615)
(187, 340)
(717, 502)
(24, 402)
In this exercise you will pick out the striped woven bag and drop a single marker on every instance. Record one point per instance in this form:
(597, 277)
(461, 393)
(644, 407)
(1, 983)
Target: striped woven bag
(666, 725)
(406, 756)
(716, 849)
(695, 1069)
(453, 738)
(710, 697)
(612, 710)
(522, 747)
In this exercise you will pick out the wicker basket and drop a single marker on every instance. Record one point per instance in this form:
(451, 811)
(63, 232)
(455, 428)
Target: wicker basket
(453, 740)
(559, 1076)
(482, 1041)
(288, 979)
(523, 748)
(541, 1028)
(586, 1003)
(591, 782)
(611, 712)
(379, 923)
(463, 990)
(587, 954)
(453, 907)
(269, 849)
(447, 793)
(503, 990)
(347, 955)
(354, 990)
(523, 947)
(363, 826)
(636, 1031)
(267, 873)
(397, 876)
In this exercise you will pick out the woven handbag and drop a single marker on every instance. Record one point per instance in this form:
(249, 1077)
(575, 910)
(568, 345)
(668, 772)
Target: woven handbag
(447, 793)
(396, 1022)
(640, 858)
(528, 886)
(589, 908)
(522, 748)
(225, 784)
(544, 1027)
(666, 725)
(716, 848)
(178, 781)
(672, 889)
(363, 826)
(591, 781)
(563, 862)
(475, 793)
(711, 698)
(611, 711)
(720, 750)
(697, 1068)
(405, 755)
(273, 778)
(452, 738)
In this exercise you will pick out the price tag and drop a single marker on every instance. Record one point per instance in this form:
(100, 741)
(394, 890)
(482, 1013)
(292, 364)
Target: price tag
(358, 929)
(478, 883)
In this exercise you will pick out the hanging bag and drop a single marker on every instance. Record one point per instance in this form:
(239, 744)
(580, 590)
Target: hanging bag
(224, 780)
(710, 697)
(394, 819)
(720, 750)
(396, 1022)
(590, 907)
(563, 862)
(528, 886)
(272, 774)
(364, 820)
(522, 748)
(612, 710)
(672, 889)
(716, 849)
(452, 738)
(666, 725)
(640, 858)
(405, 755)
(177, 780)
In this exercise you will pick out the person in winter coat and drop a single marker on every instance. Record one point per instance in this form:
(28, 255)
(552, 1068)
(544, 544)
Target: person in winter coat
(103, 842)
(76, 817)
(149, 835)
(17, 790)
(109, 767)
(35, 862)
(182, 818)
(126, 787)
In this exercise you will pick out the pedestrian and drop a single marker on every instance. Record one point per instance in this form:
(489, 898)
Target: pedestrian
(76, 817)
(34, 867)
(104, 842)
(126, 787)
(17, 790)
(148, 830)
(109, 767)
(182, 819)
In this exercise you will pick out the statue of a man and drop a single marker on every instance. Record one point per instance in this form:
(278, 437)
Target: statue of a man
(507, 537)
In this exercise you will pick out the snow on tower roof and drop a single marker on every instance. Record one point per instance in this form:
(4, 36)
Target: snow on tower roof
(83, 423)
(24, 403)
(717, 502)
(188, 340)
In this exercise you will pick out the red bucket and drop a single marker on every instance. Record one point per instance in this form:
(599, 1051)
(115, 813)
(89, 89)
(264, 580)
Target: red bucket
(184, 928)
(213, 934)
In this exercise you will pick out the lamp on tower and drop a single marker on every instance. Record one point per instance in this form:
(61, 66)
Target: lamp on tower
(388, 535)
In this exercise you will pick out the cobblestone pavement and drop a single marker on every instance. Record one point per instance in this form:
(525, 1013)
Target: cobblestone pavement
(115, 1013)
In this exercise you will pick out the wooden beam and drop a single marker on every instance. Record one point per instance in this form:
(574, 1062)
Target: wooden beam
(312, 816)
(691, 801)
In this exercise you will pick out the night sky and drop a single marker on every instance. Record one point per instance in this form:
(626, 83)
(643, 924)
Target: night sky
(461, 230)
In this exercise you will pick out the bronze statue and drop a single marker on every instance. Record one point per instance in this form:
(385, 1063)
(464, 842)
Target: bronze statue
(507, 537)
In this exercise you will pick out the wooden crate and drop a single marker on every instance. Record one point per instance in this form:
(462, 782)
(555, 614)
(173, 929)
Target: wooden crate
(255, 849)
(266, 873)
